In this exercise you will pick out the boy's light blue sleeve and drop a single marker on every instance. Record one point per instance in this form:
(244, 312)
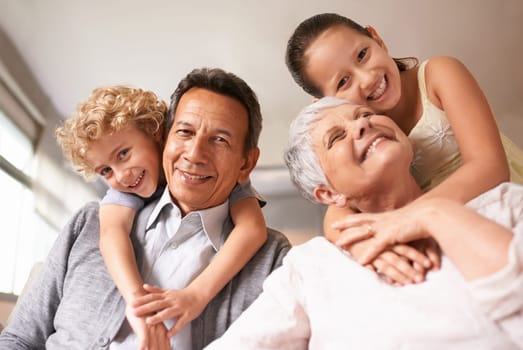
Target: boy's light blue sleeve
(125, 199)
(246, 190)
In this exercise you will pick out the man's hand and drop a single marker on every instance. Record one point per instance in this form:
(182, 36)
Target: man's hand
(184, 305)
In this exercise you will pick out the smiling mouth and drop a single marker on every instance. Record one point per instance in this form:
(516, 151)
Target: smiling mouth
(379, 91)
(137, 182)
(194, 177)
(372, 147)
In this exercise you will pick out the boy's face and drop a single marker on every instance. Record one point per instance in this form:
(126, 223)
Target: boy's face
(129, 160)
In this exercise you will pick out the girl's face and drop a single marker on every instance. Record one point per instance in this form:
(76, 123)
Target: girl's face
(350, 65)
(128, 160)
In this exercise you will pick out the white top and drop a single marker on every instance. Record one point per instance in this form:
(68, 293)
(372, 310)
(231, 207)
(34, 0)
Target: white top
(176, 251)
(321, 299)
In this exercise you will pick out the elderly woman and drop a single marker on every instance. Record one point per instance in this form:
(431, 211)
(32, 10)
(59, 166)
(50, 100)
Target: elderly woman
(321, 298)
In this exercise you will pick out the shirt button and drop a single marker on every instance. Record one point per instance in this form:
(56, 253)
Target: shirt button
(103, 342)
(174, 245)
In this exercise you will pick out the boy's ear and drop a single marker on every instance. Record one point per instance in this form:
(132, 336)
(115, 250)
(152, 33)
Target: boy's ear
(376, 37)
(328, 196)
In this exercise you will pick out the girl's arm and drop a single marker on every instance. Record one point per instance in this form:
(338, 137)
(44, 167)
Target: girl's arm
(451, 87)
(248, 235)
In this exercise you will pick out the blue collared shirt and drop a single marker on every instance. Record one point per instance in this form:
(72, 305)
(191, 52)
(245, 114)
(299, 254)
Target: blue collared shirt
(176, 251)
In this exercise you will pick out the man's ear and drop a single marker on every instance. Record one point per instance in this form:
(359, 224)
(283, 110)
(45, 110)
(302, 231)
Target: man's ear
(328, 196)
(376, 37)
(249, 163)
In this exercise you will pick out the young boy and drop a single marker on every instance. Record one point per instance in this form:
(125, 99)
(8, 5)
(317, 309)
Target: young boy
(118, 133)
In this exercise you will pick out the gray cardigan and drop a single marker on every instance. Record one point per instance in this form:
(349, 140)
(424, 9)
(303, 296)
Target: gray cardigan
(74, 304)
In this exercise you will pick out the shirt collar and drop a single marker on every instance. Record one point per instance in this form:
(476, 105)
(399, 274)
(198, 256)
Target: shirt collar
(212, 219)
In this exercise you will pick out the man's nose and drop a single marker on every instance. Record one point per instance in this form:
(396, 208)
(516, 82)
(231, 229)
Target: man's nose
(196, 150)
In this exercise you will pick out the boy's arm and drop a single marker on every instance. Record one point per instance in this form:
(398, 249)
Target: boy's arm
(402, 264)
(248, 235)
(116, 222)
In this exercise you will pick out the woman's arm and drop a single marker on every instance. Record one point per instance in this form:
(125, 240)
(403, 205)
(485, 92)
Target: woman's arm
(476, 245)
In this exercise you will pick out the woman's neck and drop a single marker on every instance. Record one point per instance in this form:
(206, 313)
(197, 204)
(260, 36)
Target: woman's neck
(393, 197)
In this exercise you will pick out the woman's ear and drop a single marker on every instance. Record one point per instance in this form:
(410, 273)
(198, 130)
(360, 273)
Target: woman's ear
(325, 195)
(374, 33)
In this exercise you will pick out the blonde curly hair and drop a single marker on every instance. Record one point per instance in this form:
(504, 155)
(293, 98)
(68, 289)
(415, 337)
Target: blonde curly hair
(107, 110)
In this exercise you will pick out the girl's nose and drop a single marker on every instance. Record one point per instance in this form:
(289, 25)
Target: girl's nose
(123, 176)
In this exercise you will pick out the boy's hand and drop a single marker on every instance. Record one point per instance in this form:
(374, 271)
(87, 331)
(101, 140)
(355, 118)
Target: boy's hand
(184, 305)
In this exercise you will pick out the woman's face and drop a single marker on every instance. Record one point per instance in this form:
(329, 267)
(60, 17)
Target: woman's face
(350, 65)
(360, 152)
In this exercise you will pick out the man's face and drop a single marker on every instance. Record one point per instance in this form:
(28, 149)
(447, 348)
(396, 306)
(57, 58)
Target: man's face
(360, 152)
(204, 154)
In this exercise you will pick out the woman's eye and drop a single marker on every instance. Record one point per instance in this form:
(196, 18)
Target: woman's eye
(343, 81)
(334, 138)
(362, 54)
(365, 114)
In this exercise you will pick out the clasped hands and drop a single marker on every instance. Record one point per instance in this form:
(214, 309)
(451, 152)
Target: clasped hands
(393, 244)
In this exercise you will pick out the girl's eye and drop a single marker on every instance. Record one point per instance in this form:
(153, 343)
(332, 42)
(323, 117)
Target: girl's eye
(343, 81)
(105, 171)
(362, 54)
(335, 137)
(123, 153)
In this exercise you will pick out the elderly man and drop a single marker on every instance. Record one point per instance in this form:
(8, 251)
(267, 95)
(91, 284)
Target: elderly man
(74, 304)
(321, 298)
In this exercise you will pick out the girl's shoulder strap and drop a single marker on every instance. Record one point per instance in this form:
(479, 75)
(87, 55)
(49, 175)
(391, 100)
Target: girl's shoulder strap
(421, 80)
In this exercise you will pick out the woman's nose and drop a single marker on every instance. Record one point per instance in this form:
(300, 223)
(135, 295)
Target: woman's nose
(360, 127)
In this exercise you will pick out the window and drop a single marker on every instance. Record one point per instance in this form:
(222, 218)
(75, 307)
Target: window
(26, 238)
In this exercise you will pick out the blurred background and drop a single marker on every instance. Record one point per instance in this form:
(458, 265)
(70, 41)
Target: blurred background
(53, 53)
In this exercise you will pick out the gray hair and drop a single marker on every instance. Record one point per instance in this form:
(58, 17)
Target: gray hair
(304, 166)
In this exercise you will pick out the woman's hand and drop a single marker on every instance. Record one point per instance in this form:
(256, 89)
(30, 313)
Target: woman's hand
(379, 240)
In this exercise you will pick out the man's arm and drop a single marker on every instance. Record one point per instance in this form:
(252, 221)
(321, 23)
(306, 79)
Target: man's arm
(32, 323)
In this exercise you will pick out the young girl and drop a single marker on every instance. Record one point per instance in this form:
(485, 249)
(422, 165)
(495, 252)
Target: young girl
(458, 149)
(118, 133)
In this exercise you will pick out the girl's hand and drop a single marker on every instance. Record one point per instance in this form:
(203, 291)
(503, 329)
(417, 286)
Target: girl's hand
(184, 305)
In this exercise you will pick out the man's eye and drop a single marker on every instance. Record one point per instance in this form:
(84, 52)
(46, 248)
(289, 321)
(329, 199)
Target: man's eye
(362, 54)
(183, 132)
(343, 81)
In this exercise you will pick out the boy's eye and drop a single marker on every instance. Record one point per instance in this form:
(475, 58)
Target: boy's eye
(362, 54)
(123, 153)
(343, 81)
(105, 171)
